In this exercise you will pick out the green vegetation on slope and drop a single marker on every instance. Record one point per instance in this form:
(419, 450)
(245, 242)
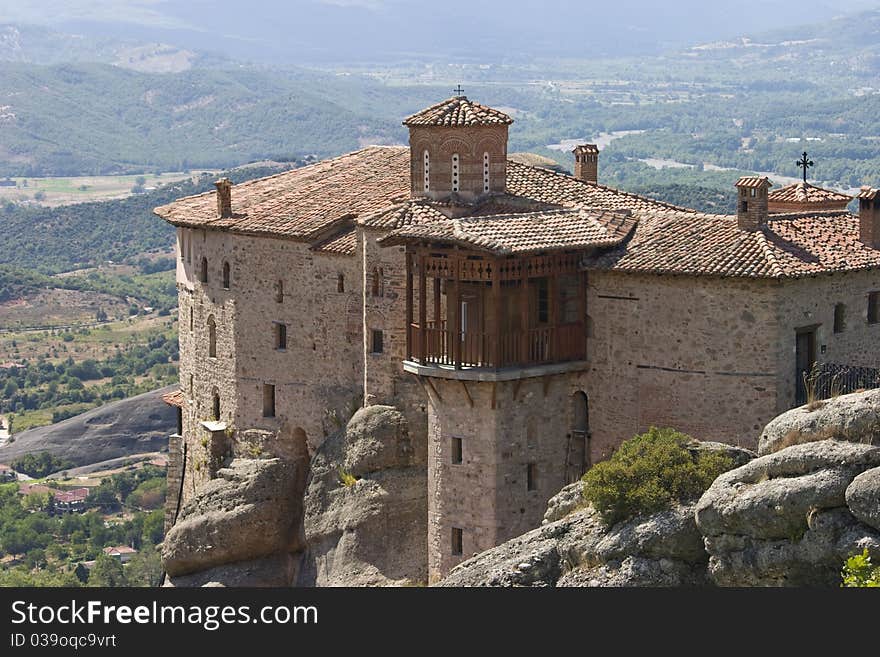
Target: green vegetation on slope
(52, 240)
(649, 473)
(45, 549)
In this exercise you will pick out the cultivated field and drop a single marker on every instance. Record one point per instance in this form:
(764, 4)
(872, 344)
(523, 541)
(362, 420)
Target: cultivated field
(79, 189)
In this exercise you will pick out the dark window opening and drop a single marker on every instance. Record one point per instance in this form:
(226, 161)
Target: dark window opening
(531, 477)
(281, 336)
(744, 206)
(456, 450)
(377, 346)
(268, 400)
(340, 283)
(279, 291)
(203, 272)
(225, 275)
(839, 318)
(543, 301)
(873, 307)
(457, 541)
(376, 282)
(216, 406)
(190, 320)
(212, 338)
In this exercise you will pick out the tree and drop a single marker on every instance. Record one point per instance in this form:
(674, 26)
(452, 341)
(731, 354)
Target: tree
(107, 571)
(154, 527)
(145, 568)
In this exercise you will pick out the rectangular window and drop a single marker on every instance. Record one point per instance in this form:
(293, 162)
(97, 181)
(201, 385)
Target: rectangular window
(543, 301)
(268, 400)
(839, 318)
(279, 292)
(744, 206)
(531, 477)
(873, 307)
(280, 336)
(377, 345)
(456, 450)
(457, 541)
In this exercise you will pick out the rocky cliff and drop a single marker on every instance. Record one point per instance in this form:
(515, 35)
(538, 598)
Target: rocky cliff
(353, 515)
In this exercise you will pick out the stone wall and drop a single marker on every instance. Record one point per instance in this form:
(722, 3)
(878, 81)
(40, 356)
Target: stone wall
(504, 428)
(810, 302)
(684, 352)
(318, 378)
(470, 144)
(385, 382)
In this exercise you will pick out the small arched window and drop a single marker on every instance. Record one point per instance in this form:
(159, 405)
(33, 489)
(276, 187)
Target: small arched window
(340, 283)
(226, 275)
(839, 318)
(485, 172)
(212, 337)
(203, 271)
(455, 172)
(426, 170)
(216, 405)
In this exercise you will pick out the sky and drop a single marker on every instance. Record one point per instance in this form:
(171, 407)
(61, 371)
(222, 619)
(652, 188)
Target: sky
(492, 29)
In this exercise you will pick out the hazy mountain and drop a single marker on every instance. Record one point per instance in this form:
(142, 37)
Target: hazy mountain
(288, 31)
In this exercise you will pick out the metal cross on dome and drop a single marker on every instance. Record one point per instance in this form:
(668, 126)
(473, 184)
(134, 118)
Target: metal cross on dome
(459, 91)
(805, 163)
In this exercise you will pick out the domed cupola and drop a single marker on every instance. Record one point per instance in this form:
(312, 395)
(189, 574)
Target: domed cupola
(458, 150)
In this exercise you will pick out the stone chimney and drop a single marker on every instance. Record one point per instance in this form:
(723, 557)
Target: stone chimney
(869, 217)
(751, 203)
(224, 197)
(586, 162)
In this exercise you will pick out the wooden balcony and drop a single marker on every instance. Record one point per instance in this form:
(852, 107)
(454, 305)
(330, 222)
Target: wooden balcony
(438, 345)
(467, 310)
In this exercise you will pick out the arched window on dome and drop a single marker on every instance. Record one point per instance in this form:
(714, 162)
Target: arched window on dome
(486, 172)
(427, 170)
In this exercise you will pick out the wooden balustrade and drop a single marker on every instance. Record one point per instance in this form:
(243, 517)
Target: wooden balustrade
(548, 344)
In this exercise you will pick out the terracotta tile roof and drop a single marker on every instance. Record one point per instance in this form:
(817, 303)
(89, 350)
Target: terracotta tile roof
(174, 398)
(565, 190)
(588, 149)
(788, 246)
(458, 111)
(74, 495)
(753, 182)
(868, 193)
(303, 202)
(343, 243)
(806, 193)
(570, 229)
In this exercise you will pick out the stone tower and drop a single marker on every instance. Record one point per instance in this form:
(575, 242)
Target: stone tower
(752, 205)
(458, 150)
(586, 162)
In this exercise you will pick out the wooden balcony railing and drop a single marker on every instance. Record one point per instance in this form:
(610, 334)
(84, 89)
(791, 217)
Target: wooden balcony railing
(547, 344)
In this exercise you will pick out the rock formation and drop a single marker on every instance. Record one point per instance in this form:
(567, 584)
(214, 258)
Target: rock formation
(366, 506)
(783, 520)
(854, 417)
(246, 518)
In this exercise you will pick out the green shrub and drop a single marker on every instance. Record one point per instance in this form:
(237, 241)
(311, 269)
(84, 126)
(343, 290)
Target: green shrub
(859, 572)
(650, 472)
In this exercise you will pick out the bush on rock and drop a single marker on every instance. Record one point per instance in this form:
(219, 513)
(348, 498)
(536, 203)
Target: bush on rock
(649, 473)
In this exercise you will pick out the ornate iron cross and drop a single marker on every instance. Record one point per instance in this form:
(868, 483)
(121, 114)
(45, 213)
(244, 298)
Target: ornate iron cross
(805, 163)
(458, 90)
